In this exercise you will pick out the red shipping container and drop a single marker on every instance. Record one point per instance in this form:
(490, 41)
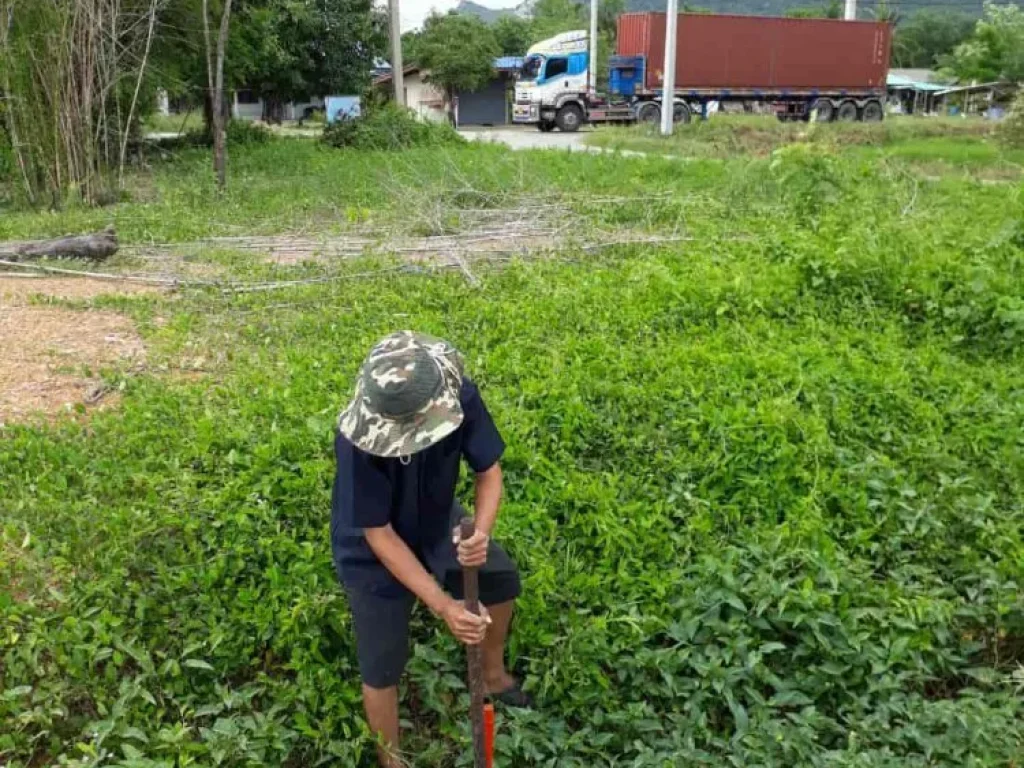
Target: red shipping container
(760, 53)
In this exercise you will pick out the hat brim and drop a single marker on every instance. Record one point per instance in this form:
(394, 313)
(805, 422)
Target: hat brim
(379, 435)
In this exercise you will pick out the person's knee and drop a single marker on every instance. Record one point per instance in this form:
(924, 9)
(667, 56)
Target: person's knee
(371, 691)
(500, 589)
(383, 677)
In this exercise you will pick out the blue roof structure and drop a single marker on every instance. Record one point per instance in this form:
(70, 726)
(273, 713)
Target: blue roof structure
(898, 81)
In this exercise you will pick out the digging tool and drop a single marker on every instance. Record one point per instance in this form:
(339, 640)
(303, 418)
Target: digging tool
(482, 714)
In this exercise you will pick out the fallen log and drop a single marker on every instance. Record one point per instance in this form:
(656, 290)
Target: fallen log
(96, 247)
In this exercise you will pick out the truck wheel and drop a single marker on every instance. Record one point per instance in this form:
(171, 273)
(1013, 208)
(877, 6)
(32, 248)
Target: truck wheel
(649, 112)
(822, 111)
(545, 126)
(569, 118)
(847, 112)
(680, 112)
(872, 112)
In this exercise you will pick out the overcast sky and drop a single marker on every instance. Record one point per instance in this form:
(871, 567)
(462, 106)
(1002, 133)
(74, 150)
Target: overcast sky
(415, 11)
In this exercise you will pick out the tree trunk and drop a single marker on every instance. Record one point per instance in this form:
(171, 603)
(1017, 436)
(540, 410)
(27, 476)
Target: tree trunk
(273, 109)
(96, 246)
(215, 79)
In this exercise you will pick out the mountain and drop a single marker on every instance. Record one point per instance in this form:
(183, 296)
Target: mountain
(490, 15)
(747, 7)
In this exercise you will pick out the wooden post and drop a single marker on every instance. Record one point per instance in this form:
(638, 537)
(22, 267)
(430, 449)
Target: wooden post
(397, 76)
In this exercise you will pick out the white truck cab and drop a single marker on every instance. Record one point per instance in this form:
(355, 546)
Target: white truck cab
(553, 83)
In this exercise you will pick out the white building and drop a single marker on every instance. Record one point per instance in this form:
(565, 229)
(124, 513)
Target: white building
(426, 100)
(248, 105)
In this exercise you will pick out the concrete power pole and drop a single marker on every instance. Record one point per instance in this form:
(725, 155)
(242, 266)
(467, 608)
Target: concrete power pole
(851, 10)
(669, 79)
(396, 52)
(592, 68)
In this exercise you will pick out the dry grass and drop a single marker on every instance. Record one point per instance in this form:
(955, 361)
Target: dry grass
(19, 290)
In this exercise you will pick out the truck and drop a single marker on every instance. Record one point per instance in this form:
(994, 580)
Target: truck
(821, 69)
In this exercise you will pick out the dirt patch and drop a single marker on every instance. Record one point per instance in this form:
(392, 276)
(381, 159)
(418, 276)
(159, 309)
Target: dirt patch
(50, 358)
(996, 174)
(27, 577)
(18, 291)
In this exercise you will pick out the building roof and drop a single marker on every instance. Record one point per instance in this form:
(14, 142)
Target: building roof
(918, 75)
(896, 81)
(386, 77)
(501, 64)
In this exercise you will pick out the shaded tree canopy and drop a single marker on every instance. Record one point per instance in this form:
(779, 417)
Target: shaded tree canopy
(459, 50)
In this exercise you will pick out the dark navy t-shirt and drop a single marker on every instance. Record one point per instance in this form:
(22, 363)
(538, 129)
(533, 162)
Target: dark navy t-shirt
(415, 498)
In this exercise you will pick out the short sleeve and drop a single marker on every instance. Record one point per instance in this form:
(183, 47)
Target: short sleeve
(362, 490)
(481, 442)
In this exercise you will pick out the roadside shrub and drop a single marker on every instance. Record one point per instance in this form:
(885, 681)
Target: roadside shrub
(1011, 129)
(388, 127)
(244, 132)
(315, 117)
(239, 133)
(809, 178)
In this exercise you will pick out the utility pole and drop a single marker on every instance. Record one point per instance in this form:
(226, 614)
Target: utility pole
(669, 78)
(592, 68)
(851, 10)
(396, 52)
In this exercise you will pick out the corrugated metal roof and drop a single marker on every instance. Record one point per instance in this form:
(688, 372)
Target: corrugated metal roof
(899, 81)
(916, 74)
(508, 63)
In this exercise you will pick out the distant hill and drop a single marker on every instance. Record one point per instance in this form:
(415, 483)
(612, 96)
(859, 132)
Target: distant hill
(748, 7)
(779, 7)
(490, 15)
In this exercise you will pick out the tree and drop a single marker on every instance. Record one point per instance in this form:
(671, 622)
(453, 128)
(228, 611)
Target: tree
(513, 34)
(459, 52)
(286, 50)
(552, 17)
(928, 36)
(72, 91)
(885, 10)
(996, 49)
(410, 48)
(830, 10)
(292, 51)
(215, 79)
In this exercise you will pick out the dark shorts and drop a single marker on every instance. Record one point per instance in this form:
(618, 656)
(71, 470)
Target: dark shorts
(382, 623)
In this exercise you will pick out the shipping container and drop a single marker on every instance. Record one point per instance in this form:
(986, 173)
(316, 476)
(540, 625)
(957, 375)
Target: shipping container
(760, 54)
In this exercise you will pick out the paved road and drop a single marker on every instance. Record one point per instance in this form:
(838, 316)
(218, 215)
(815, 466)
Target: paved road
(529, 137)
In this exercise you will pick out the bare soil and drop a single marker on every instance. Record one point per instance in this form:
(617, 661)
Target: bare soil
(50, 356)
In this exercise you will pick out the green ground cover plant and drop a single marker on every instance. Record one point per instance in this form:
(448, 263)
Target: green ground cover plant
(766, 484)
(727, 135)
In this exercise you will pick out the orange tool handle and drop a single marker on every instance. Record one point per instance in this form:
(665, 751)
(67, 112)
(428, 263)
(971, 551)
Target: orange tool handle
(489, 735)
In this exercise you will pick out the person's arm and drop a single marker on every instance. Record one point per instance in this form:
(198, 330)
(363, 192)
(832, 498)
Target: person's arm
(363, 497)
(487, 498)
(404, 566)
(482, 446)
(473, 551)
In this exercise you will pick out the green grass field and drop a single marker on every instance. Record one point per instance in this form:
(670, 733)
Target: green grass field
(952, 140)
(765, 481)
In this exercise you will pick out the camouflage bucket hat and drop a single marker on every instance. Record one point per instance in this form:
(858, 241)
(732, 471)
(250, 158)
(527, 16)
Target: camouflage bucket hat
(407, 396)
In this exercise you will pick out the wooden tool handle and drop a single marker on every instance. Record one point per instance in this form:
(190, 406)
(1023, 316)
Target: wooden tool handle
(471, 595)
(470, 581)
